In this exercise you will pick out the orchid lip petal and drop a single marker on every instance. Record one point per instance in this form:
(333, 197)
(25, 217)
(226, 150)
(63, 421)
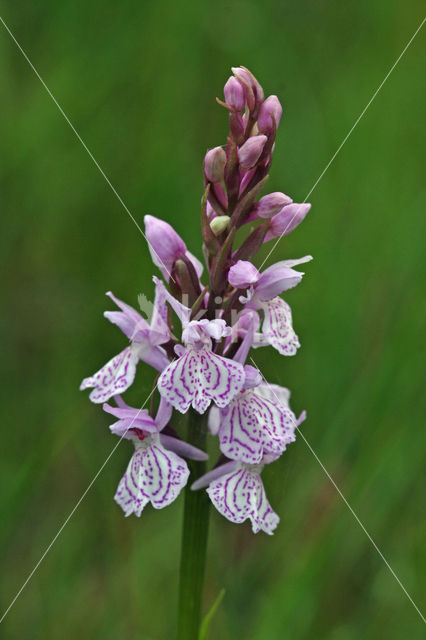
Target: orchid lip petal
(154, 475)
(277, 328)
(257, 423)
(240, 495)
(198, 377)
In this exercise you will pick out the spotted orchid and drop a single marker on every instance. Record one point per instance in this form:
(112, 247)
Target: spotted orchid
(198, 338)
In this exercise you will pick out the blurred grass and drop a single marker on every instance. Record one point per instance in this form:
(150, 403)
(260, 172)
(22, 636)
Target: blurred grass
(139, 81)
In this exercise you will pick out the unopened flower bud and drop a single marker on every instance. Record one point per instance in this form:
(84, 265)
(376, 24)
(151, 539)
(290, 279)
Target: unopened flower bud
(234, 94)
(219, 224)
(287, 220)
(214, 164)
(253, 90)
(165, 245)
(271, 204)
(270, 111)
(251, 150)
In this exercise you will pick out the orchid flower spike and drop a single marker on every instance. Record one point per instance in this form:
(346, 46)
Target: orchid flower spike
(197, 339)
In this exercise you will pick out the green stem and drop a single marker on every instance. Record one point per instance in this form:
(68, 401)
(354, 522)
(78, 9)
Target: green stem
(194, 538)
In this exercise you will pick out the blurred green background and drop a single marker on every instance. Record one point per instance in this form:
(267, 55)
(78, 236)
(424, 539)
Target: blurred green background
(138, 81)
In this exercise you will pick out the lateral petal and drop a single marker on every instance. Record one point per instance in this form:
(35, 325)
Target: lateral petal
(114, 377)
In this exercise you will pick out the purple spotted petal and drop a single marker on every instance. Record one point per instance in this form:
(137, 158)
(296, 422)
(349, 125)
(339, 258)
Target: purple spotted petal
(114, 378)
(198, 377)
(240, 495)
(154, 475)
(253, 426)
(277, 328)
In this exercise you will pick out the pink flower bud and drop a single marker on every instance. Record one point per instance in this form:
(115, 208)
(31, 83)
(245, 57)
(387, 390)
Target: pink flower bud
(287, 220)
(271, 204)
(242, 274)
(251, 150)
(253, 90)
(165, 244)
(245, 81)
(214, 164)
(234, 94)
(270, 110)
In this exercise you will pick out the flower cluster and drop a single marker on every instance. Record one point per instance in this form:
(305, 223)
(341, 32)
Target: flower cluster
(200, 333)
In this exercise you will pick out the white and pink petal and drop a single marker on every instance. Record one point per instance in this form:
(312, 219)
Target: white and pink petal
(240, 495)
(153, 475)
(254, 426)
(114, 377)
(198, 377)
(277, 328)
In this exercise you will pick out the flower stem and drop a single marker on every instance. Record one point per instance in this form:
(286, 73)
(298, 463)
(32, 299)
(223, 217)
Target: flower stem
(194, 538)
